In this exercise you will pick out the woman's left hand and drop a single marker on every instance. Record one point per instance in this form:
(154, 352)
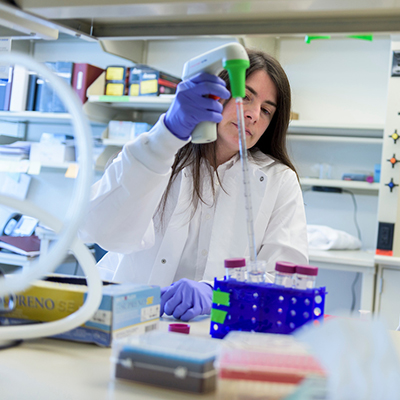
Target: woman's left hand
(186, 299)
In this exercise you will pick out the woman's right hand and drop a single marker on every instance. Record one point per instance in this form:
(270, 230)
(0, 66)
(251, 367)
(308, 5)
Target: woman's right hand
(192, 106)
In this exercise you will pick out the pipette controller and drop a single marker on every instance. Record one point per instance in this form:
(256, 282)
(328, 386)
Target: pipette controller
(232, 57)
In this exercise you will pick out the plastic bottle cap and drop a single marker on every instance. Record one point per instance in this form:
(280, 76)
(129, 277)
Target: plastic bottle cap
(307, 270)
(179, 328)
(284, 266)
(235, 263)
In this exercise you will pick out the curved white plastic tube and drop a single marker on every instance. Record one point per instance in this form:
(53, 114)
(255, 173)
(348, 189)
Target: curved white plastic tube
(68, 228)
(77, 207)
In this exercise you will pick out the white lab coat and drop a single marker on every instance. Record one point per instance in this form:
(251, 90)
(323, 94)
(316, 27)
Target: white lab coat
(124, 201)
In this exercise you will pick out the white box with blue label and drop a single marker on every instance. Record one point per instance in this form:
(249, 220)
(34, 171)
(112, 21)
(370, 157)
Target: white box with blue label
(125, 309)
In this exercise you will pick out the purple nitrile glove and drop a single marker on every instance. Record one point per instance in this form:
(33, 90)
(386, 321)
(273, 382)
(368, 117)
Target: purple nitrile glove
(192, 106)
(186, 299)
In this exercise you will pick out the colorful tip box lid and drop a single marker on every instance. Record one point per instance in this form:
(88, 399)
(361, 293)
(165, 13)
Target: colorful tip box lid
(255, 365)
(167, 359)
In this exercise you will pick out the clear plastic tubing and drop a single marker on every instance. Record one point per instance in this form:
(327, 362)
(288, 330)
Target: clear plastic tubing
(285, 274)
(235, 268)
(306, 276)
(246, 182)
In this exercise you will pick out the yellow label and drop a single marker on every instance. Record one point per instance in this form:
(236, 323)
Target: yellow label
(48, 301)
(134, 90)
(115, 89)
(115, 74)
(150, 86)
(72, 171)
(150, 300)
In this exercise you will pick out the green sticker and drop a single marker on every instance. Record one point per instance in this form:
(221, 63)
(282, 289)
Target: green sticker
(218, 316)
(221, 298)
(113, 99)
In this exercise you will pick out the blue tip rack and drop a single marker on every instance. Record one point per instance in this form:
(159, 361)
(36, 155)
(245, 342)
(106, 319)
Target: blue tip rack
(263, 307)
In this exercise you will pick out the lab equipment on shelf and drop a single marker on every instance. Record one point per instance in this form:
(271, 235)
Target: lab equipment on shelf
(306, 276)
(235, 268)
(285, 274)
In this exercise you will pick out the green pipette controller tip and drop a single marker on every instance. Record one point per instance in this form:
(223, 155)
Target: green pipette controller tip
(237, 76)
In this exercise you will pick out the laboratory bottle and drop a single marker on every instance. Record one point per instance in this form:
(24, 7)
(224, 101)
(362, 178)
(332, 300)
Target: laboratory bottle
(306, 276)
(285, 273)
(235, 268)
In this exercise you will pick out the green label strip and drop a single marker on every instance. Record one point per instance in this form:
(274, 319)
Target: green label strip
(218, 316)
(114, 99)
(220, 297)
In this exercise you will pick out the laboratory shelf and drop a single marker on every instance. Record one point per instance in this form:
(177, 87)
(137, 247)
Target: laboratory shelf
(337, 183)
(335, 139)
(363, 130)
(148, 103)
(15, 259)
(63, 165)
(27, 116)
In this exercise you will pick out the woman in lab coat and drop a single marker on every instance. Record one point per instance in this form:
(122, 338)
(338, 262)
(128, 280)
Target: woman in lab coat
(170, 212)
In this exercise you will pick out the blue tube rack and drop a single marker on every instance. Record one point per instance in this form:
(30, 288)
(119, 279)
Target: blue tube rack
(262, 307)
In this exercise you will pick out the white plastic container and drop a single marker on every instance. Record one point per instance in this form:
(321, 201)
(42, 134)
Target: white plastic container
(235, 268)
(306, 276)
(285, 274)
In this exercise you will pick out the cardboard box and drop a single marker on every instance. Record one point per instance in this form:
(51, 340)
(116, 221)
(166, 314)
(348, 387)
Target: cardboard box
(125, 309)
(117, 81)
(147, 81)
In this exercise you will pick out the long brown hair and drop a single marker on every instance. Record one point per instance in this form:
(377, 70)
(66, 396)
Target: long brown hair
(272, 142)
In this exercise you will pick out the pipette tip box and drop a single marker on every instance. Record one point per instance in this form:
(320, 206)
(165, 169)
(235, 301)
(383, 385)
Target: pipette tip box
(167, 359)
(263, 307)
(125, 309)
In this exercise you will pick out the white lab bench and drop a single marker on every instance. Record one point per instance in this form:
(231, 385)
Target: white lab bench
(351, 261)
(48, 369)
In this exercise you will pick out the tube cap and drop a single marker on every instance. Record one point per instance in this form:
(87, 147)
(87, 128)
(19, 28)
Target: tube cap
(235, 262)
(285, 266)
(307, 270)
(179, 328)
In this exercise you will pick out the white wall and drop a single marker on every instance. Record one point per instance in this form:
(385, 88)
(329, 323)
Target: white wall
(343, 81)
(338, 80)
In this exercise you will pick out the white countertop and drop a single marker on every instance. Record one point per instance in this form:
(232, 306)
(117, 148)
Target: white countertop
(350, 257)
(48, 369)
(393, 261)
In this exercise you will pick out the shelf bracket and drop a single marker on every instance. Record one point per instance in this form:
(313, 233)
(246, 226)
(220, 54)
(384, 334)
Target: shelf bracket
(134, 50)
